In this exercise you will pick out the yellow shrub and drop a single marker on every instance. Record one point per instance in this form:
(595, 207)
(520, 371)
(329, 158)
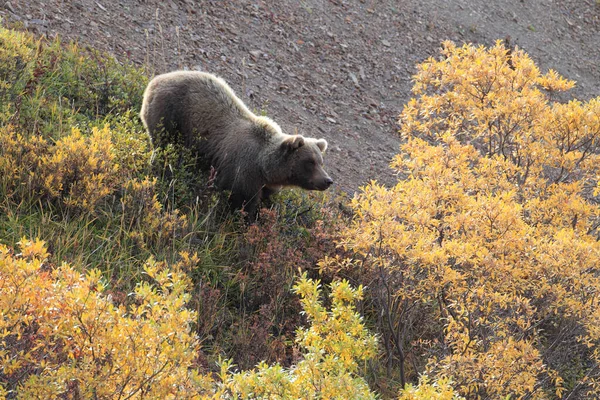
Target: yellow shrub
(16, 50)
(20, 163)
(76, 171)
(334, 344)
(487, 252)
(62, 337)
(440, 390)
(81, 171)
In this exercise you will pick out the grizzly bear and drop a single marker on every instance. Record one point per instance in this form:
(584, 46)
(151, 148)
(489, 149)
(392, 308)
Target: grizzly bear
(251, 156)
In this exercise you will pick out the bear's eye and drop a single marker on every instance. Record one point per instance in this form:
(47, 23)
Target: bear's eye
(309, 164)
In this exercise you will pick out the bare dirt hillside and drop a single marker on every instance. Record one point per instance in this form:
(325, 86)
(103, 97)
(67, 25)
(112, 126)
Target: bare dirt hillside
(339, 69)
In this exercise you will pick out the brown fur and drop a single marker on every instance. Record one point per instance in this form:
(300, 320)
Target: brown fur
(251, 155)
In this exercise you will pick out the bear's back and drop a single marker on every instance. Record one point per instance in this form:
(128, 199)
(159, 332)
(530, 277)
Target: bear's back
(191, 104)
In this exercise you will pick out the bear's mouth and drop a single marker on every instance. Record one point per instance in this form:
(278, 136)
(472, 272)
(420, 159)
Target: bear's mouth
(321, 185)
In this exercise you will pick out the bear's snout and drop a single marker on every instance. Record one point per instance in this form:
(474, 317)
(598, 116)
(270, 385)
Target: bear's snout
(323, 184)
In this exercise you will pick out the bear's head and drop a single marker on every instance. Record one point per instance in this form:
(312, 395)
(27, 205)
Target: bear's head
(304, 162)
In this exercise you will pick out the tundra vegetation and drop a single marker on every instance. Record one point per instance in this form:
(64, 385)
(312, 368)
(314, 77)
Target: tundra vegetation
(122, 275)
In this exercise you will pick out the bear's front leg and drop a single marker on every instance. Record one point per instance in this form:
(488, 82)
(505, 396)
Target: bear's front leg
(239, 201)
(268, 191)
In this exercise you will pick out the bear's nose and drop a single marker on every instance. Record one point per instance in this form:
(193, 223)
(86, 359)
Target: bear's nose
(328, 181)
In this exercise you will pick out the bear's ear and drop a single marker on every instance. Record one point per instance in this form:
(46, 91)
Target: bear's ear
(322, 145)
(293, 143)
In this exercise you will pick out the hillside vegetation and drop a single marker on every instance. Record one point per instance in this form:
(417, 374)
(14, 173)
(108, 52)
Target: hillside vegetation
(123, 275)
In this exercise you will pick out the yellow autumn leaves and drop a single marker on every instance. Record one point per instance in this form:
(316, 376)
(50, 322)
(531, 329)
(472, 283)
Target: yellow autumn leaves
(63, 336)
(79, 171)
(494, 233)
